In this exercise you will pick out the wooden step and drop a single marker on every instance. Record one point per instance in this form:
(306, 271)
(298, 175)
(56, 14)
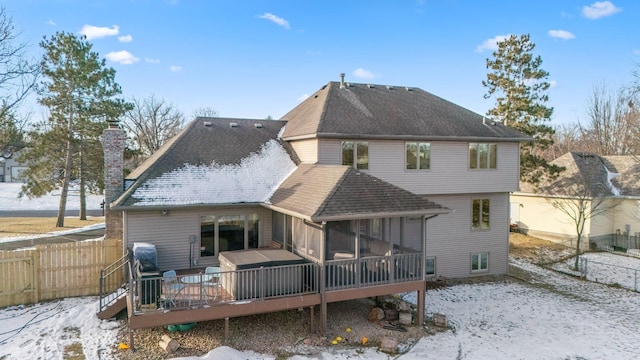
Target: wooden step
(113, 309)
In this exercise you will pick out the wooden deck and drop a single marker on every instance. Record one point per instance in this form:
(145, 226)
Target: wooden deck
(198, 297)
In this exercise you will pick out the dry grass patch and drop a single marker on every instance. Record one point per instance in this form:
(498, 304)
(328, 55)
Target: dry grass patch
(536, 250)
(12, 227)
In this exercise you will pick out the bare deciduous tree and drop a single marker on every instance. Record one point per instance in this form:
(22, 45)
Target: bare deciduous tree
(151, 123)
(205, 112)
(613, 122)
(583, 196)
(17, 79)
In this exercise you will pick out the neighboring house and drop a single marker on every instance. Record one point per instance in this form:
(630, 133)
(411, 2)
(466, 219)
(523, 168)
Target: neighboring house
(613, 178)
(10, 169)
(379, 187)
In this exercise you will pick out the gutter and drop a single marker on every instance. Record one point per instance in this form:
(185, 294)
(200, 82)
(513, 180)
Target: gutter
(408, 137)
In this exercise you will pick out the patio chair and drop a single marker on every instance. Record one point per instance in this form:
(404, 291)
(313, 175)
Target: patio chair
(172, 286)
(215, 273)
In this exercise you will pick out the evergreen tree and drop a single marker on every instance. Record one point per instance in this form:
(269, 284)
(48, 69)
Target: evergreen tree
(81, 95)
(520, 86)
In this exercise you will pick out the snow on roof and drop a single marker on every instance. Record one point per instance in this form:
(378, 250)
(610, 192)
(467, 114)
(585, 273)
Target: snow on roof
(610, 176)
(253, 180)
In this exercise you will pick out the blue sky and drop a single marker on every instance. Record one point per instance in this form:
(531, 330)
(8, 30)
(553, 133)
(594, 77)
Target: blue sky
(251, 59)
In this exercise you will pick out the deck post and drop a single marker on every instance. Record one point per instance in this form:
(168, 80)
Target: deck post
(420, 309)
(226, 328)
(131, 348)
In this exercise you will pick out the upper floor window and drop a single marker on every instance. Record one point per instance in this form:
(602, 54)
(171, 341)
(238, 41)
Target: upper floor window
(480, 209)
(483, 155)
(418, 156)
(355, 153)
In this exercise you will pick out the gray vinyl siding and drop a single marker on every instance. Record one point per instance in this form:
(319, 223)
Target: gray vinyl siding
(171, 233)
(451, 241)
(307, 150)
(449, 171)
(329, 152)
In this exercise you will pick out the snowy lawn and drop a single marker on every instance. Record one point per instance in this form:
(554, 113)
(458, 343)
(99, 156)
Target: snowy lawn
(551, 317)
(607, 268)
(9, 200)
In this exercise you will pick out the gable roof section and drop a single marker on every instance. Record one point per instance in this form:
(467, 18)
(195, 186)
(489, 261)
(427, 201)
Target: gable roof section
(212, 162)
(378, 111)
(601, 175)
(333, 192)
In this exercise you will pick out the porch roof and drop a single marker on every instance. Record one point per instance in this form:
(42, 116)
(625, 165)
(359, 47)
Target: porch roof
(332, 192)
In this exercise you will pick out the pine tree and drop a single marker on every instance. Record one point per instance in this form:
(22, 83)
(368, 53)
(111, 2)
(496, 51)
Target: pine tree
(81, 95)
(520, 87)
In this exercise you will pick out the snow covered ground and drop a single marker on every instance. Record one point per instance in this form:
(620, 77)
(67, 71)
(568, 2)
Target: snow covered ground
(9, 200)
(607, 268)
(554, 316)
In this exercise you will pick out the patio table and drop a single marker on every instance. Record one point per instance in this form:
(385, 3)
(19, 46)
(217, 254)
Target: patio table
(201, 279)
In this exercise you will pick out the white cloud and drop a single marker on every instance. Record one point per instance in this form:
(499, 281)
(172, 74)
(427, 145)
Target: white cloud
(303, 97)
(125, 38)
(553, 84)
(151, 61)
(122, 57)
(50, 22)
(363, 74)
(600, 9)
(636, 52)
(491, 44)
(278, 20)
(175, 68)
(95, 32)
(561, 34)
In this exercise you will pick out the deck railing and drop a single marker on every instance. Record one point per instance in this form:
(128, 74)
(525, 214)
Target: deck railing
(113, 281)
(372, 271)
(198, 290)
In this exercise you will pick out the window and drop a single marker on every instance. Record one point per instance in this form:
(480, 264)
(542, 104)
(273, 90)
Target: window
(418, 156)
(483, 155)
(480, 262)
(355, 152)
(430, 266)
(226, 233)
(480, 209)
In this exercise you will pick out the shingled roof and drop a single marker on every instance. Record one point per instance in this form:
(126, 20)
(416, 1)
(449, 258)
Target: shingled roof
(333, 192)
(599, 175)
(379, 111)
(212, 161)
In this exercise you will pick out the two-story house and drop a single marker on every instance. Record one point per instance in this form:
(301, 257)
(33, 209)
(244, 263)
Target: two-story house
(370, 189)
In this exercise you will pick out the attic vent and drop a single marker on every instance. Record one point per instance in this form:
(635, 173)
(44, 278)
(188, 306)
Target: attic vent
(408, 88)
(370, 86)
(233, 124)
(389, 87)
(207, 123)
(486, 121)
(258, 126)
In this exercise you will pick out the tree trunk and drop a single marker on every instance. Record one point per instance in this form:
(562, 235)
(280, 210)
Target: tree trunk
(575, 267)
(65, 186)
(83, 199)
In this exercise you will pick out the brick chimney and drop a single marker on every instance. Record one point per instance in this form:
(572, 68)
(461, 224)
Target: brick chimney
(113, 141)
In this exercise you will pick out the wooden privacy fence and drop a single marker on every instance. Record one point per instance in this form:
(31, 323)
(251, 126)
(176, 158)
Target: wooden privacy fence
(55, 271)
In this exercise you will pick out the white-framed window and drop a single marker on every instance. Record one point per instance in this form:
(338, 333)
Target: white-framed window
(430, 266)
(480, 211)
(483, 155)
(356, 154)
(417, 156)
(480, 262)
